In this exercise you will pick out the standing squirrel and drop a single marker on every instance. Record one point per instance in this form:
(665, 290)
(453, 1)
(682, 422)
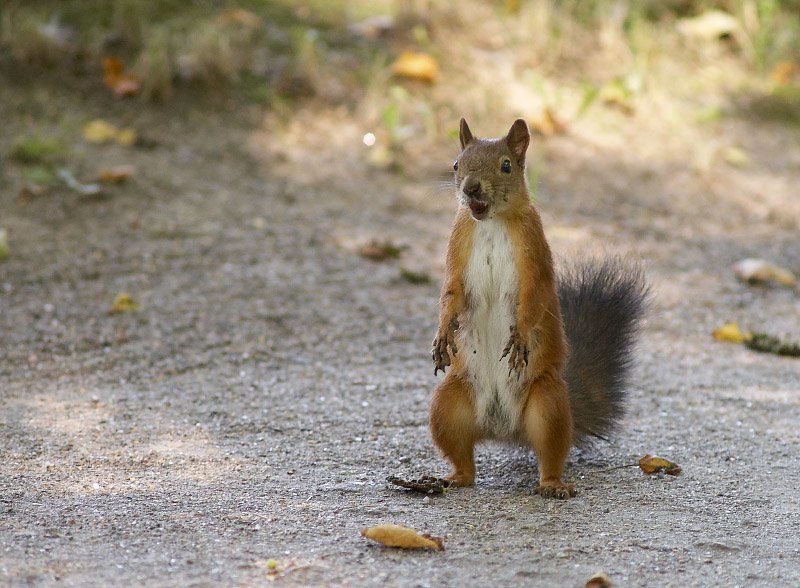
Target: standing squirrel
(534, 359)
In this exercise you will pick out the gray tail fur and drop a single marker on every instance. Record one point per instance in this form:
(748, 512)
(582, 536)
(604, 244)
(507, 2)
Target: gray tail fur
(601, 304)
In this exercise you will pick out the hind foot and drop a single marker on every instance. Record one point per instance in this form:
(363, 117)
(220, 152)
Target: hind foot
(461, 480)
(555, 489)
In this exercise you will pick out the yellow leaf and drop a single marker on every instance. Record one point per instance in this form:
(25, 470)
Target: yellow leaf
(755, 271)
(402, 537)
(100, 131)
(126, 137)
(730, 333)
(651, 464)
(123, 303)
(416, 66)
(617, 95)
(783, 72)
(546, 123)
(735, 156)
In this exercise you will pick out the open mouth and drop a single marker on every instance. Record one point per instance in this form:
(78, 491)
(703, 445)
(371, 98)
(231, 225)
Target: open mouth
(478, 208)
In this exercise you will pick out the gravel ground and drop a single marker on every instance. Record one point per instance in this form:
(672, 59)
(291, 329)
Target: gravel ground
(272, 379)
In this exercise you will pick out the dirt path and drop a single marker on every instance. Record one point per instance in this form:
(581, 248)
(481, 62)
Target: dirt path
(272, 379)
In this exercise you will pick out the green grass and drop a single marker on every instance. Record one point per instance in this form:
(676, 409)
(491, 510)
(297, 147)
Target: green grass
(36, 149)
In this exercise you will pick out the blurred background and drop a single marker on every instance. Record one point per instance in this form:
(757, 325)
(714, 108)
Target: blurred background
(666, 130)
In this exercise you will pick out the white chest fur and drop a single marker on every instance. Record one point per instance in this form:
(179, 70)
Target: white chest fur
(492, 286)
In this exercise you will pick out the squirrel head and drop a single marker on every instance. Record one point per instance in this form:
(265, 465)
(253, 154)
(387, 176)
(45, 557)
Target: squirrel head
(490, 173)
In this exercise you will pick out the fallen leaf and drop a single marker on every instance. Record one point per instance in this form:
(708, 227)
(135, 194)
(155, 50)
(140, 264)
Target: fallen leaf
(652, 464)
(402, 537)
(755, 271)
(735, 156)
(377, 251)
(126, 137)
(36, 149)
(416, 66)
(783, 72)
(73, 184)
(425, 484)
(119, 82)
(123, 303)
(100, 131)
(769, 344)
(4, 251)
(31, 191)
(599, 580)
(616, 94)
(730, 333)
(413, 277)
(711, 25)
(546, 123)
(512, 6)
(240, 16)
(117, 174)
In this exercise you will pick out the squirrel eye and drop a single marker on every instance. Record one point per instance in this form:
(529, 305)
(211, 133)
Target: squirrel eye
(455, 166)
(506, 166)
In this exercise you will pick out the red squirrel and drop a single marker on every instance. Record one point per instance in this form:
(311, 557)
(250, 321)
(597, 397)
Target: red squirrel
(535, 359)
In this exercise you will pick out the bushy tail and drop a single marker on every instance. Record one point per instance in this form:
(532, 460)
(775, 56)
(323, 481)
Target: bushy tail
(602, 303)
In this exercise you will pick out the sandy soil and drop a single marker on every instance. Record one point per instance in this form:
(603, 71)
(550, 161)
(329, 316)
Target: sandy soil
(272, 379)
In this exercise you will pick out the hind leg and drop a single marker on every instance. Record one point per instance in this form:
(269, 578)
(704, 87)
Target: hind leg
(454, 428)
(547, 424)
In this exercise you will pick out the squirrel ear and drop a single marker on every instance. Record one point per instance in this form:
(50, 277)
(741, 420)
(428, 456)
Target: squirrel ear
(464, 134)
(518, 138)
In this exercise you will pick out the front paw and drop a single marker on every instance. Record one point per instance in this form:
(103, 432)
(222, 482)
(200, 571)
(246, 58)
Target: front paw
(444, 343)
(517, 350)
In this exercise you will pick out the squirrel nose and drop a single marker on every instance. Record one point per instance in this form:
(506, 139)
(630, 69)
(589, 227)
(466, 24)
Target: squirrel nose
(472, 188)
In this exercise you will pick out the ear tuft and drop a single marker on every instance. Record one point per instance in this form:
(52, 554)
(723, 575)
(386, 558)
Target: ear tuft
(464, 134)
(518, 138)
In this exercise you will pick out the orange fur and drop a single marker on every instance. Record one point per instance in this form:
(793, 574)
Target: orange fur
(536, 348)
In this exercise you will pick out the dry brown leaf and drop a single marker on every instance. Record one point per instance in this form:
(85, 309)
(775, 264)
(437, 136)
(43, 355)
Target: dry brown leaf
(618, 96)
(652, 464)
(754, 271)
(730, 333)
(240, 16)
(123, 303)
(119, 82)
(116, 174)
(783, 72)
(379, 251)
(599, 580)
(402, 537)
(416, 66)
(546, 123)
